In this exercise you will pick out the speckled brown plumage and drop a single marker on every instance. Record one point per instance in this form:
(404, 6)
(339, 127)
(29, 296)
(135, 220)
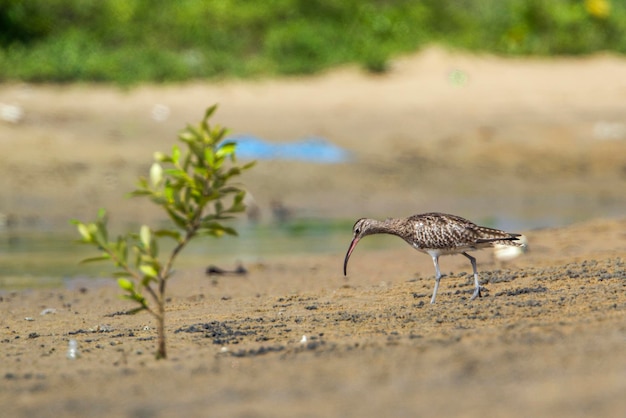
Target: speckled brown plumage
(435, 234)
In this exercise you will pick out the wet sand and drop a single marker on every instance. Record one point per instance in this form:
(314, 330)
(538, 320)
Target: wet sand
(547, 338)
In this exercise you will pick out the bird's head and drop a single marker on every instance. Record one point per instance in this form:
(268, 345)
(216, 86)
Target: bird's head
(361, 228)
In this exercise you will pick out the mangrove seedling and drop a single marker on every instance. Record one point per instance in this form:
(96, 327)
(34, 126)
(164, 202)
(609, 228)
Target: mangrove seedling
(193, 185)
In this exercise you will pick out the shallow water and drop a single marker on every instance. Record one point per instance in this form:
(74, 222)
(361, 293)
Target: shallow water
(32, 258)
(35, 259)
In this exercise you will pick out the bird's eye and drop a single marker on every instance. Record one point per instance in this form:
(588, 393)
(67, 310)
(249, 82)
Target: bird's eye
(357, 231)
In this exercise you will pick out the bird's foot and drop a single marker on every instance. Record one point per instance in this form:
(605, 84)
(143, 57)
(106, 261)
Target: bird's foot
(476, 294)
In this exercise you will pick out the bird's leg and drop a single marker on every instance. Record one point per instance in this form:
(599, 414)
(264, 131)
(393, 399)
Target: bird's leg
(437, 277)
(476, 283)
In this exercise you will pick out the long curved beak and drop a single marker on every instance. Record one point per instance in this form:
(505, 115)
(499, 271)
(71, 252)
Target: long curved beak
(345, 262)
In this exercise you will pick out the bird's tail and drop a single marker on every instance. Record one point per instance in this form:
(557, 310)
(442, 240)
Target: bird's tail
(516, 240)
(512, 240)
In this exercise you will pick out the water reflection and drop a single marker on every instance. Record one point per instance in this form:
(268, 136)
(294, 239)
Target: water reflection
(34, 258)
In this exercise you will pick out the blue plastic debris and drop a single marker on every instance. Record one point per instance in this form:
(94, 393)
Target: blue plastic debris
(312, 149)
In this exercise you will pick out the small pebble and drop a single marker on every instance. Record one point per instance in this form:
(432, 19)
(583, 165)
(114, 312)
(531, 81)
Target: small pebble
(48, 311)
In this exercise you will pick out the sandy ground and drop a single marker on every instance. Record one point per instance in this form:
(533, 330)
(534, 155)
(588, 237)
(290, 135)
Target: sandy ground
(547, 338)
(468, 135)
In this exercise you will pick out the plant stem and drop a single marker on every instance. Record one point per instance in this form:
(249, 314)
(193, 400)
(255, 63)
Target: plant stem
(161, 347)
(163, 276)
(137, 277)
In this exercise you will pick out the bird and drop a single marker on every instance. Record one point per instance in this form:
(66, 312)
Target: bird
(435, 234)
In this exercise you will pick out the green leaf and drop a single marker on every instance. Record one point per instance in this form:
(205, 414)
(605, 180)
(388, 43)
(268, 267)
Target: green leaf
(100, 234)
(103, 257)
(210, 112)
(156, 174)
(187, 195)
(209, 157)
(137, 298)
(230, 231)
(249, 165)
(147, 259)
(205, 129)
(210, 232)
(187, 162)
(147, 279)
(137, 252)
(148, 270)
(218, 133)
(175, 154)
(202, 173)
(216, 229)
(145, 236)
(180, 221)
(168, 192)
(168, 233)
(126, 284)
(229, 189)
(84, 232)
(136, 193)
(177, 173)
(159, 200)
(122, 251)
(226, 149)
(236, 208)
(217, 233)
(241, 195)
(188, 135)
(209, 217)
(161, 157)
(197, 149)
(154, 248)
(234, 171)
(142, 183)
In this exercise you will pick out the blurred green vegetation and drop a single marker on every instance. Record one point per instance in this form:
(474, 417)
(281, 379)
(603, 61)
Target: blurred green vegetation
(129, 41)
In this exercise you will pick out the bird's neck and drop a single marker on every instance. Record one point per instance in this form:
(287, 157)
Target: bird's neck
(393, 226)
